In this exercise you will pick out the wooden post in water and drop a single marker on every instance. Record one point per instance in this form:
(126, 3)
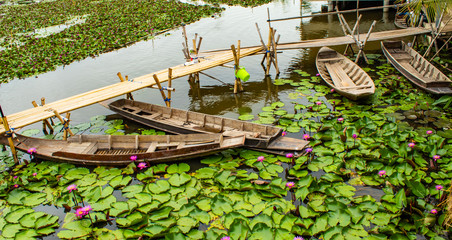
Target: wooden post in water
(237, 83)
(9, 133)
(128, 95)
(65, 122)
(157, 81)
(170, 76)
(45, 122)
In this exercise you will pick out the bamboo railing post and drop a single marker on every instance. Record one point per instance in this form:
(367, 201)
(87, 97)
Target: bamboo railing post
(170, 76)
(270, 30)
(433, 30)
(275, 56)
(157, 81)
(236, 53)
(45, 122)
(43, 102)
(128, 95)
(10, 134)
(65, 123)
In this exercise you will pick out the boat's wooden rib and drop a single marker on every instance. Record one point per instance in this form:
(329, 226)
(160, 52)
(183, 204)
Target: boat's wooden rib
(117, 150)
(416, 68)
(343, 75)
(179, 121)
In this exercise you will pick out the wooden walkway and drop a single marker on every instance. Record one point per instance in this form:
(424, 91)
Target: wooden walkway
(33, 115)
(213, 59)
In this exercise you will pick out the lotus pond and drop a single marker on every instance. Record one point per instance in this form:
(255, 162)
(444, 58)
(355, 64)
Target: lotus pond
(396, 146)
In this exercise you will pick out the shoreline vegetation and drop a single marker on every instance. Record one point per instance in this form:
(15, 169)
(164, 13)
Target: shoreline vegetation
(103, 26)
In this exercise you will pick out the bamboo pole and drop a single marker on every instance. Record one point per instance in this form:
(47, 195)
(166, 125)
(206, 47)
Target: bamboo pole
(65, 123)
(267, 71)
(45, 122)
(10, 138)
(274, 52)
(43, 102)
(434, 40)
(170, 77)
(440, 48)
(157, 81)
(236, 66)
(128, 95)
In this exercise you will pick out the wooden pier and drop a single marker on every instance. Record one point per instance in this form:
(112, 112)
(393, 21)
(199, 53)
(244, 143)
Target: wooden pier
(211, 59)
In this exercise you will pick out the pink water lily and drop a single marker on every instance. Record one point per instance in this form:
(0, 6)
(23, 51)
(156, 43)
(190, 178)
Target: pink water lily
(332, 90)
(31, 151)
(133, 158)
(382, 173)
(354, 136)
(298, 238)
(284, 133)
(80, 213)
(16, 185)
(429, 132)
(411, 144)
(439, 187)
(226, 238)
(433, 211)
(15, 177)
(260, 158)
(318, 103)
(87, 209)
(306, 137)
(340, 119)
(289, 155)
(308, 150)
(318, 74)
(142, 165)
(35, 174)
(72, 187)
(436, 157)
(290, 184)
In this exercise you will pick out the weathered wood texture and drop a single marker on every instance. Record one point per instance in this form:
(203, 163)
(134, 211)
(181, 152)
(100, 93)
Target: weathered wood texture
(40, 113)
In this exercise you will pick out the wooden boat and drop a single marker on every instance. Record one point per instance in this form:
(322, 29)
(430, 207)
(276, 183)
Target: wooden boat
(116, 150)
(416, 68)
(177, 121)
(343, 75)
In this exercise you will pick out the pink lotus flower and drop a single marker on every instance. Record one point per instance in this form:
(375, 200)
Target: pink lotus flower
(298, 238)
(16, 185)
(290, 184)
(35, 174)
(318, 103)
(429, 132)
(284, 133)
(289, 155)
(332, 90)
(133, 158)
(436, 157)
(318, 74)
(308, 150)
(306, 137)
(31, 151)
(87, 209)
(260, 158)
(411, 144)
(382, 173)
(72, 187)
(340, 119)
(142, 165)
(80, 213)
(226, 238)
(439, 187)
(433, 211)
(15, 177)
(354, 136)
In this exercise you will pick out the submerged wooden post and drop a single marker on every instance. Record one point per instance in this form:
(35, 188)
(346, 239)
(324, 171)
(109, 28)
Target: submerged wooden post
(170, 76)
(9, 133)
(236, 53)
(157, 81)
(128, 95)
(65, 123)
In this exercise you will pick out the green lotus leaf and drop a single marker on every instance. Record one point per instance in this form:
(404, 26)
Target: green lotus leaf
(131, 190)
(45, 221)
(10, 230)
(246, 117)
(29, 220)
(104, 203)
(149, 207)
(267, 109)
(159, 186)
(178, 180)
(14, 216)
(178, 168)
(212, 159)
(76, 229)
(277, 104)
(110, 174)
(206, 173)
(221, 206)
(76, 173)
(204, 204)
(143, 198)
(417, 188)
(162, 197)
(186, 223)
(16, 196)
(261, 231)
(345, 190)
(224, 178)
(239, 229)
(196, 234)
(160, 168)
(120, 181)
(129, 169)
(118, 208)
(45, 231)
(160, 214)
(370, 181)
(155, 230)
(148, 174)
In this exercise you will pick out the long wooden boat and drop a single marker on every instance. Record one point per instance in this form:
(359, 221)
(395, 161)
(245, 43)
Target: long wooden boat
(177, 121)
(416, 68)
(400, 20)
(343, 75)
(116, 150)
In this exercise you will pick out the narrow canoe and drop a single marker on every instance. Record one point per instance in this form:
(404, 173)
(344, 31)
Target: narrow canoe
(177, 121)
(343, 75)
(400, 20)
(114, 150)
(416, 68)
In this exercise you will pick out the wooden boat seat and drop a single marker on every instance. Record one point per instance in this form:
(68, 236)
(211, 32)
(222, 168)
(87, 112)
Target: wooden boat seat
(85, 147)
(330, 59)
(339, 76)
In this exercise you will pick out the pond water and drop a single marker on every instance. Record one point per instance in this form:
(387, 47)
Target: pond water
(235, 23)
